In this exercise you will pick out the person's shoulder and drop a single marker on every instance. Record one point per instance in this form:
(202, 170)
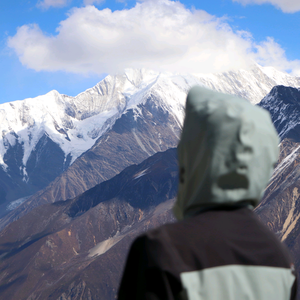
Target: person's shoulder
(161, 233)
(160, 237)
(172, 234)
(167, 229)
(271, 241)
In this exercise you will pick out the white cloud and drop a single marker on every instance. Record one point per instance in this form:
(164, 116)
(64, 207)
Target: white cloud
(157, 34)
(288, 6)
(45, 4)
(271, 54)
(91, 2)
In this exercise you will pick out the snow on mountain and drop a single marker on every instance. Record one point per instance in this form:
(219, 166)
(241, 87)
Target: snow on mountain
(253, 84)
(283, 104)
(74, 123)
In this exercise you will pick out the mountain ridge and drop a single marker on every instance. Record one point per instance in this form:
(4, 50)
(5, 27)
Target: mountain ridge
(60, 115)
(73, 126)
(281, 102)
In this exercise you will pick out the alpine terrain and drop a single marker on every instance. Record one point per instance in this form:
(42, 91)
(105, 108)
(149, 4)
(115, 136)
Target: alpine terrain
(76, 249)
(280, 207)
(81, 177)
(54, 147)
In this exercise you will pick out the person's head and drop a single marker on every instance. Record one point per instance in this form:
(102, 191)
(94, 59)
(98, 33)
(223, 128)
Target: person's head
(226, 153)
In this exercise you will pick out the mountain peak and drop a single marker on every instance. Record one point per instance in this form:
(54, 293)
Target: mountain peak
(72, 125)
(75, 122)
(283, 103)
(286, 94)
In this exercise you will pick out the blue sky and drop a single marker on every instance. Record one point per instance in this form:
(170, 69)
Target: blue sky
(70, 45)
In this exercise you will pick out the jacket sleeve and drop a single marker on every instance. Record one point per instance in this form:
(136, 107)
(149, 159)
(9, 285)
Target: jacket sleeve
(143, 279)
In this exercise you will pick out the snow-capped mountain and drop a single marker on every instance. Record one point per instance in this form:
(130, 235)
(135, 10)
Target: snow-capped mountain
(253, 84)
(59, 248)
(43, 136)
(283, 103)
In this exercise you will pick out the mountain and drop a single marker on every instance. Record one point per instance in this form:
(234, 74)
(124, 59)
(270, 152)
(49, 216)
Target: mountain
(76, 249)
(139, 133)
(283, 103)
(45, 135)
(69, 144)
(280, 206)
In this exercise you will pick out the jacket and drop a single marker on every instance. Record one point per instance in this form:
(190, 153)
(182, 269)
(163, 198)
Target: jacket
(218, 249)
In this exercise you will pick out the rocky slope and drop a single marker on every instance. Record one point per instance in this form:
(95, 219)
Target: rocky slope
(76, 249)
(280, 207)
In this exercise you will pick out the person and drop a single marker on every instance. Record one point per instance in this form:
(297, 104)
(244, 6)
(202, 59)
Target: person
(218, 249)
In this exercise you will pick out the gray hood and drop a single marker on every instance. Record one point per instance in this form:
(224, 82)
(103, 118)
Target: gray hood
(226, 154)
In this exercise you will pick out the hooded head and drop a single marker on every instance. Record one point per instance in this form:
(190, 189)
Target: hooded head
(226, 153)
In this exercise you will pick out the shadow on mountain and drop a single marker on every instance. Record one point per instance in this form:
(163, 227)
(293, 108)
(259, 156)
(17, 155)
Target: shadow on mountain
(79, 246)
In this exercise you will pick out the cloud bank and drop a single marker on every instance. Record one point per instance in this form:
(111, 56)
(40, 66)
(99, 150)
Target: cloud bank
(157, 34)
(288, 6)
(45, 4)
(91, 2)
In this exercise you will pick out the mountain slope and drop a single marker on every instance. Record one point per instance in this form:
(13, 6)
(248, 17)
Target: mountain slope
(279, 208)
(70, 125)
(137, 135)
(79, 246)
(280, 196)
(284, 106)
